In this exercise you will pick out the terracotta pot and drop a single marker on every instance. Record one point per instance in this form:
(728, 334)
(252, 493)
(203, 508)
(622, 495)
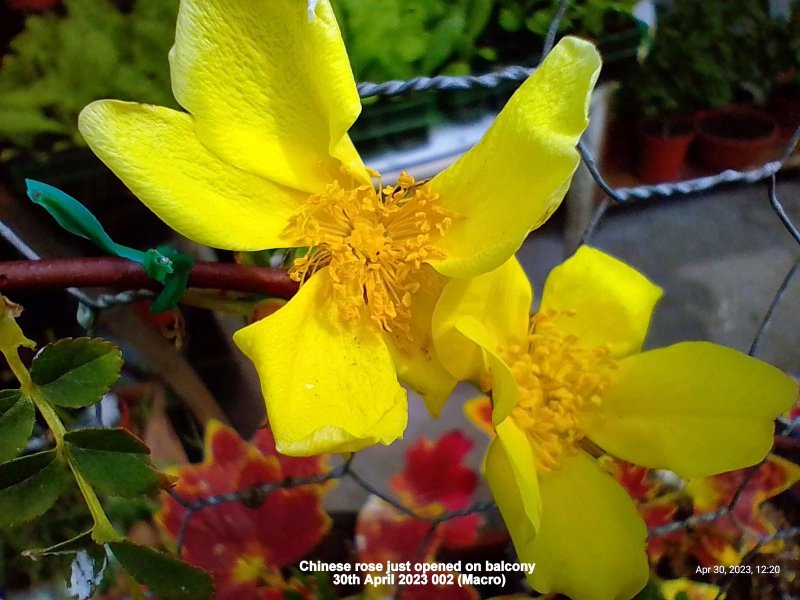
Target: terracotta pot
(785, 108)
(663, 155)
(735, 138)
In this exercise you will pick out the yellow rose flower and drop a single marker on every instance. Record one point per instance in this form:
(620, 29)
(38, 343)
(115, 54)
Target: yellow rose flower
(262, 159)
(571, 379)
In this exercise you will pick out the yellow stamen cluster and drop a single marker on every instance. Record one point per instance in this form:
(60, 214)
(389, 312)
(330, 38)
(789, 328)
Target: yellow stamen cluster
(556, 378)
(251, 568)
(374, 243)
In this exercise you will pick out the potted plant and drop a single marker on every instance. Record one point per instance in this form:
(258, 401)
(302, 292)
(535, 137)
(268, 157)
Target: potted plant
(669, 86)
(735, 137)
(664, 129)
(743, 135)
(609, 23)
(707, 57)
(784, 102)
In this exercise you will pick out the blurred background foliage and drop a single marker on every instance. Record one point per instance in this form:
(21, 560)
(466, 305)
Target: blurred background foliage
(63, 54)
(77, 51)
(63, 60)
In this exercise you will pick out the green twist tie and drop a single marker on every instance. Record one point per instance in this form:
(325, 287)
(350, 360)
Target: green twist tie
(165, 264)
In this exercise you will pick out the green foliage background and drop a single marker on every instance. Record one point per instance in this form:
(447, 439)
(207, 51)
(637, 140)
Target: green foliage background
(58, 65)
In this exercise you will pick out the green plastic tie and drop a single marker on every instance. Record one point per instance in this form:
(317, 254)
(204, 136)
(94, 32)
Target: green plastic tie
(165, 264)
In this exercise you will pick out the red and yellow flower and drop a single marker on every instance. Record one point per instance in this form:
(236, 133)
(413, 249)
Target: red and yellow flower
(244, 547)
(433, 481)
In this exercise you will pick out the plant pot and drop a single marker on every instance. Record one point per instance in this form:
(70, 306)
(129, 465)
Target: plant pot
(663, 152)
(735, 138)
(784, 107)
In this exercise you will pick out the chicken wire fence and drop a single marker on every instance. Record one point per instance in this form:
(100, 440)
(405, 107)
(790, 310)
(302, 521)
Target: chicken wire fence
(766, 175)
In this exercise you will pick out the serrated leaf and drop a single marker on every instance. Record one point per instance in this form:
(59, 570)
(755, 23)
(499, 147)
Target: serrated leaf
(166, 576)
(29, 486)
(8, 398)
(76, 372)
(17, 416)
(114, 461)
(116, 440)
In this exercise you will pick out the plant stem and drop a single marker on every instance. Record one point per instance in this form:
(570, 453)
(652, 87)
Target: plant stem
(29, 389)
(112, 272)
(49, 415)
(103, 531)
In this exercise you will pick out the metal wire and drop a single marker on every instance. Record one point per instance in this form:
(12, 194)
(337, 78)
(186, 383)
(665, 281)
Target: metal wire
(444, 82)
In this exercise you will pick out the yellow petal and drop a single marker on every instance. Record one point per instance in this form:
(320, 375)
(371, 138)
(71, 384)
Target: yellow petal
(512, 478)
(519, 454)
(156, 153)
(591, 542)
(416, 360)
(495, 371)
(612, 301)
(330, 386)
(271, 89)
(516, 176)
(695, 408)
(500, 300)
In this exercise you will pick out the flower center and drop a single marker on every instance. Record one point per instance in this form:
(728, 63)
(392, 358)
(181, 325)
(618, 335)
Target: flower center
(374, 243)
(251, 568)
(556, 378)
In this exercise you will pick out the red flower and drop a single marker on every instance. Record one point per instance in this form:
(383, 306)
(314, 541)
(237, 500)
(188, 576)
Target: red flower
(244, 548)
(433, 482)
(637, 481)
(434, 473)
(730, 537)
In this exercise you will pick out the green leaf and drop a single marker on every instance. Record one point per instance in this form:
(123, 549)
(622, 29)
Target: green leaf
(114, 461)
(76, 372)
(510, 20)
(166, 576)
(29, 486)
(17, 416)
